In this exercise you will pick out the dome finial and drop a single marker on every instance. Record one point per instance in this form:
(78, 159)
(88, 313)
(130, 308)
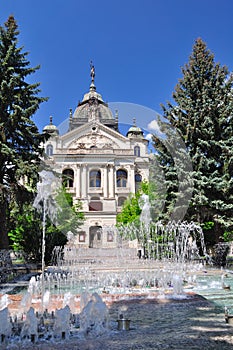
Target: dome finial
(134, 121)
(92, 74)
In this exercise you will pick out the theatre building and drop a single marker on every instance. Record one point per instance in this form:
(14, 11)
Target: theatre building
(101, 165)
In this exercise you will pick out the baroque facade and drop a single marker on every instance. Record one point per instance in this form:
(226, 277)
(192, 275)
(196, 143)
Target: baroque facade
(101, 166)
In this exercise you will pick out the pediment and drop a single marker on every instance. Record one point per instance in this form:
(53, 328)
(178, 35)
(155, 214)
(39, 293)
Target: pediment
(93, 135)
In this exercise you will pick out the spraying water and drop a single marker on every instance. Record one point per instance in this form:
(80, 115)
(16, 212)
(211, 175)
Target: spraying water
(45, 203)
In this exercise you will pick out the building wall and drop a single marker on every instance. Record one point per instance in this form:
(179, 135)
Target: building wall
(96, 146)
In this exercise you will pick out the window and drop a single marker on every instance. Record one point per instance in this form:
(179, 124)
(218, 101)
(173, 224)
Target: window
(121, 201)
(138, 180)
(95, 236)
(68, 178)
(95, 178)
(81, 236)
(110, 236)
(49, 150)
(137, 151)
(121, 178)
(95, 204)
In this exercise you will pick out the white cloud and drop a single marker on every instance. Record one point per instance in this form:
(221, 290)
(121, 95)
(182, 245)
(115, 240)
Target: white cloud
(148, 137)
(154, 126)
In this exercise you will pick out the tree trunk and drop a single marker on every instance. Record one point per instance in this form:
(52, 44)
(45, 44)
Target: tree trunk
(4, 240)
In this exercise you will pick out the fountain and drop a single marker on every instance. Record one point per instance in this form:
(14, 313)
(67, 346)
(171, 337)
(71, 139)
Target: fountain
(62, 323)
(69, 299)
(30, 326)
(145, 219)
(44, 202)
(5, 327)
(94, 316)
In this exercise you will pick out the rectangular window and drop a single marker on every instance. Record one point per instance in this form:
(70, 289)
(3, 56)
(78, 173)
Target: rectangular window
(82, 237)
(109, 237)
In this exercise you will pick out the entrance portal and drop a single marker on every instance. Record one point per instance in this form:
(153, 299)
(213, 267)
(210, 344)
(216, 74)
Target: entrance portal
(95, 237)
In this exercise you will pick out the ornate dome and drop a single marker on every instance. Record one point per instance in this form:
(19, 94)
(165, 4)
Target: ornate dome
(102, 111)
(91, 108)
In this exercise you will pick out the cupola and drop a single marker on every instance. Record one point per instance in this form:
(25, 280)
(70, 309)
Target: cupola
(51, 129)
(135, 131)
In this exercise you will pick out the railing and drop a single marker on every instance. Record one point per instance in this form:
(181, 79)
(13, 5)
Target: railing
(93, 151)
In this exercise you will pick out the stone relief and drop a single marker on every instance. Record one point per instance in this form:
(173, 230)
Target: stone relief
(90, 140)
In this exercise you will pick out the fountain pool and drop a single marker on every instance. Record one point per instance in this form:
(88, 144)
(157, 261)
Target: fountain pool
(158, 317)
(72, 300)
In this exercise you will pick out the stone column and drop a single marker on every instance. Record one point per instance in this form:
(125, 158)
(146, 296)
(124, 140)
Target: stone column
(111, 181)
(105, 181)
(78, 182)
(83, 183)
(131, 182)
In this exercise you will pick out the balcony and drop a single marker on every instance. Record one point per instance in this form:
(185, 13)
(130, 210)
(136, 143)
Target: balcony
(122, 189)
(95, 190)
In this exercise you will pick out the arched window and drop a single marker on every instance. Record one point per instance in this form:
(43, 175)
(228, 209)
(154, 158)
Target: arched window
(120, 201)
(95, 204)
(137, 151)
(121, 178)
(138, 180)
(68, 178)
(95, 236)
(49, 150)
(95, 178)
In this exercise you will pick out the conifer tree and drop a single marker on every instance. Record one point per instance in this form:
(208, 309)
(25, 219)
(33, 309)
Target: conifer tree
(19, 137)
(203, 116)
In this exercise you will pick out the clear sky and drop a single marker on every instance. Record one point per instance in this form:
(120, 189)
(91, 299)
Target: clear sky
(137, 46)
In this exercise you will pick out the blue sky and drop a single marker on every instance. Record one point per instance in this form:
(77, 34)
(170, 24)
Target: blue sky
(137, 46)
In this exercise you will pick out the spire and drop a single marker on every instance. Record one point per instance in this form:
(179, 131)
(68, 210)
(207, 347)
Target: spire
(51, 120)
(92, 74)
(71, 114)
(134, 121)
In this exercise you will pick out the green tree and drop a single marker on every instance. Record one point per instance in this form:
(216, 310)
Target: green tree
(203, 117)
(131, 224)
(19, 137)
(69, 218)
(132, 206)
(26, 232)
(131, 209)
(172, 174)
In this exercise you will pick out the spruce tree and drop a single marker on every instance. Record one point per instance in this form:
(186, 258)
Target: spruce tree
(19, 136)
(203, 116)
